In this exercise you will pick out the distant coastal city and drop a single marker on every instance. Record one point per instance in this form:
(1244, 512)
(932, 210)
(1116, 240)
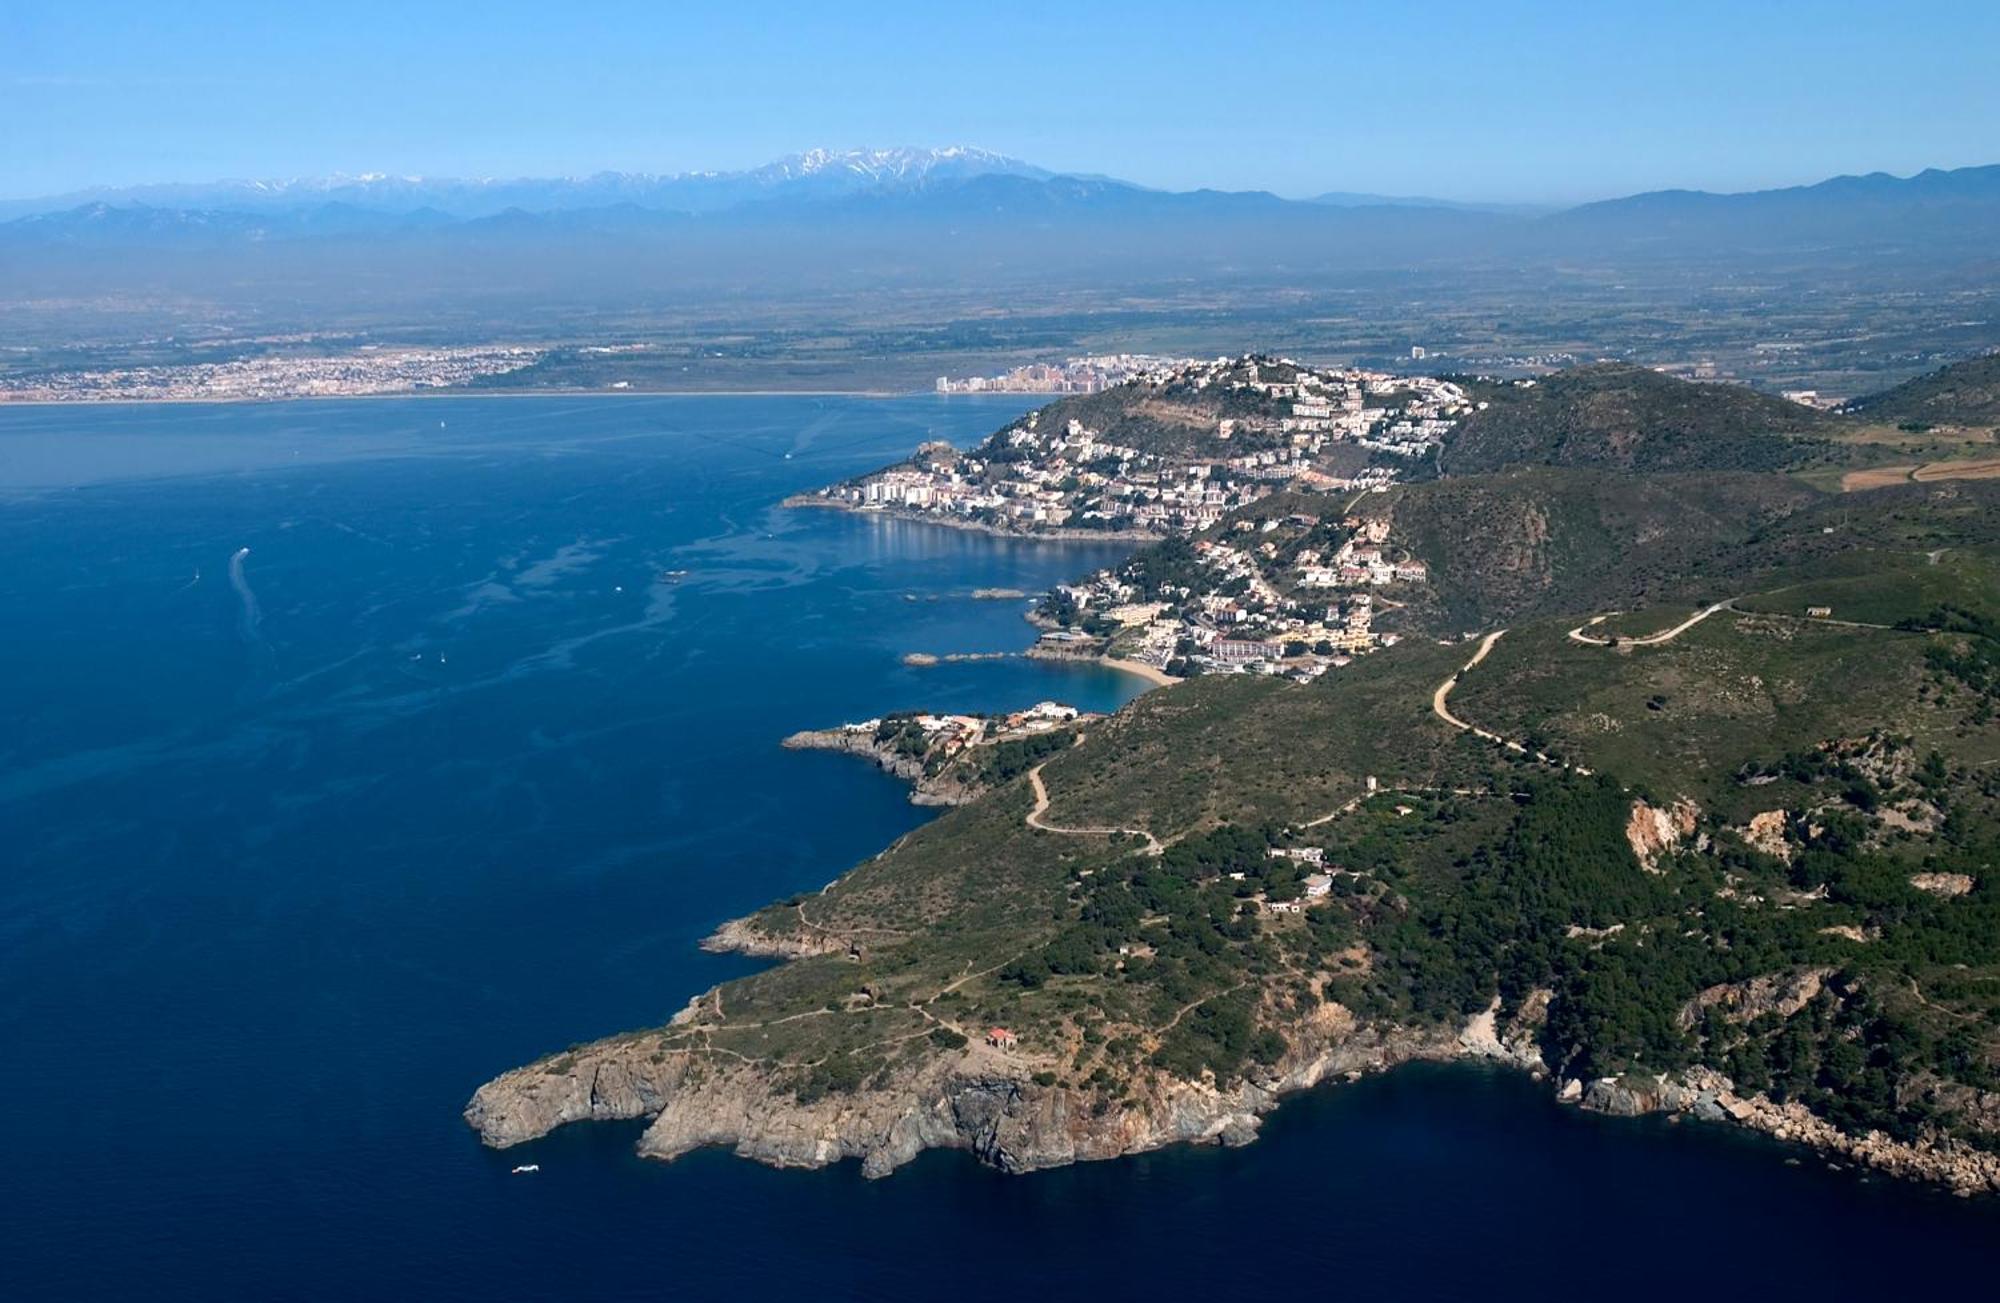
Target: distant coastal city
(1078, 375)
(337, 365)
(362, 372)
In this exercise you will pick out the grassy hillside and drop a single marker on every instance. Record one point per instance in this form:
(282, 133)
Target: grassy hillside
(1869, 756)
(1515, 546)
(1963, 394)
(1501, 547)
(1632, 418)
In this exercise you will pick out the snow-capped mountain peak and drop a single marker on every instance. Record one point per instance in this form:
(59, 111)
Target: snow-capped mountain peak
(901, 164)
(816, 173)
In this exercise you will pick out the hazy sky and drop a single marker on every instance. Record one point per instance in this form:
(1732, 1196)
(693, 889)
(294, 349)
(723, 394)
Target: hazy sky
(1487, 101)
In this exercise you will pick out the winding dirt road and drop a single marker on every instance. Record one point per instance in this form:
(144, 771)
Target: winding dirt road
(1650, 640)
(1438, 698)
(1441, 708)
(1035, 820)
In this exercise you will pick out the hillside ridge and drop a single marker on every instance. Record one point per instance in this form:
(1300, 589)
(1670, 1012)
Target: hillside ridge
(1731, 855)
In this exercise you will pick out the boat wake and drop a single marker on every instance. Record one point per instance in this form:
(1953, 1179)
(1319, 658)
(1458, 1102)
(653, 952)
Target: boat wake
(252, 614)
(248, 625)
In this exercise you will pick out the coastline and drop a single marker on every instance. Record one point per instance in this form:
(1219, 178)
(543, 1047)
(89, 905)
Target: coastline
(1008, 1106)
(990, 1103)
(942, 787)
(248, 400)
(1157, 677)
(973, 1098)
(813, 500)
(1154, 677)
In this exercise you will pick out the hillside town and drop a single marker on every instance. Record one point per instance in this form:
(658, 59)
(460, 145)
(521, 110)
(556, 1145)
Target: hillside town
(1184, 453)
(1172, 450)
(1294, 594)
(1077, 375)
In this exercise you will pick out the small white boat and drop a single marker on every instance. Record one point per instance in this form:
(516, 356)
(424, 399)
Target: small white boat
(527, 1167)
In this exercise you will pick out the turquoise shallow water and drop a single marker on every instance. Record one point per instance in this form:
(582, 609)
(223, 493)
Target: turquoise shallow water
(299, 845)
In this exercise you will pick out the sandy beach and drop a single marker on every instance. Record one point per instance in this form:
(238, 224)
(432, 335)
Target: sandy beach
(1157, 677)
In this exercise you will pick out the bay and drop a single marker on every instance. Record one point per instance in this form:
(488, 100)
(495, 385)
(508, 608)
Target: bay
(451, 768)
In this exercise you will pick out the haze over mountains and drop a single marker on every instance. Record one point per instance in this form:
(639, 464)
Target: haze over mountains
(814, 174)
(888, 267)
(1934, 213)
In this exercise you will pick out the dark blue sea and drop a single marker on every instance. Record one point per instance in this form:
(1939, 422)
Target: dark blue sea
(299, 845)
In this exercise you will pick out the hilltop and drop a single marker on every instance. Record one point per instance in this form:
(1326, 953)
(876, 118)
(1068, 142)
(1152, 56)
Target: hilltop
(1635, 419)
(1963, 394)
(1172, 447)
(1735, 859)
(1529, 543)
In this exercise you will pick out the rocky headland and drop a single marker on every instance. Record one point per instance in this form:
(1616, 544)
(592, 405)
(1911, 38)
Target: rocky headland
(1001, 1108)
(1737, 870)
(947, 786)
(974, 1097)
(950, 759)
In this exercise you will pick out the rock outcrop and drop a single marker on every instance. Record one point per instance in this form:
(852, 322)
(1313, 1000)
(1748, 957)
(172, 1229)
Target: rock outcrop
(1707, 1094)
(982, 1101)
(1515, 1044)
(1783, 994)
(973, 1099)
(1766, 832)
(742, 937)
(942, 788)
(1654, 833)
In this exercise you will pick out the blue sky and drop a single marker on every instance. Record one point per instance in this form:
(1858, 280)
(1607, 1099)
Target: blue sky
(1478, 101)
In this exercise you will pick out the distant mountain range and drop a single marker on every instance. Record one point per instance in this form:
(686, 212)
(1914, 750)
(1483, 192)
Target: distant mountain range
(1352, 199)
(839, 221)
(942, 180)
(815, 174)
(1876, 208)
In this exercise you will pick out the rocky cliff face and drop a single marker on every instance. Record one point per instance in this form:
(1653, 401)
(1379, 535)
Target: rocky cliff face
(1707, 1094)
(973, 1099)
(848, 742)
(741, 937)
(983, 1101)
(1655, 834)
(946, 787)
